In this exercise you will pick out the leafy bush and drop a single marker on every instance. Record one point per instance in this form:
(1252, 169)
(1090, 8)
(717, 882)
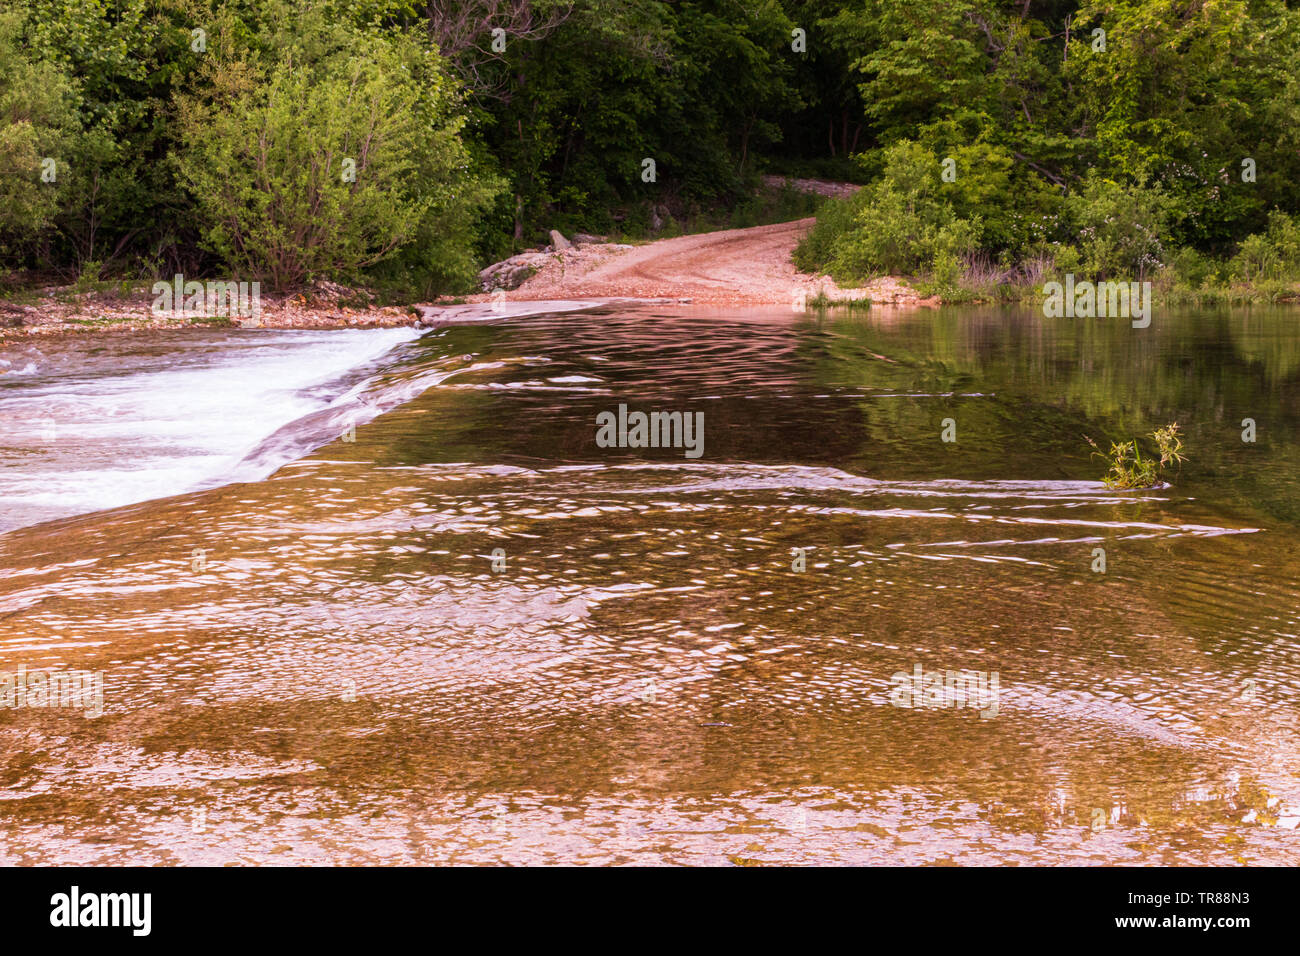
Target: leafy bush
(902, 223)
(329, 155)
(1272, 254)
(38, 120)
(950, 248)
(1189, 269)
(123, 58)
(1121, 228)
(835, 218)
(1016, 208)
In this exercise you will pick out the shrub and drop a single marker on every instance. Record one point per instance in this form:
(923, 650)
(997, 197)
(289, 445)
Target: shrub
(835, 217)
(1121, 229)
(1272, 254)
(38, 119)
(902, 223)
(329, 155)
(951, 246)
(1190, 269)
(124, 58)
(1016, 208)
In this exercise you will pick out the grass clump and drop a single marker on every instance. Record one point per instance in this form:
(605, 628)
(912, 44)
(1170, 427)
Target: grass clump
(1128, 469)
(821, 302)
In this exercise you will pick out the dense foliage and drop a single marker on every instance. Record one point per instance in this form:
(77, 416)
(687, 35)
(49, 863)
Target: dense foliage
(404, 142)
(324, 149)
(1114, 138)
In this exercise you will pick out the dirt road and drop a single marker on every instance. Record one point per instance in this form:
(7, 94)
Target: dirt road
(733, 266)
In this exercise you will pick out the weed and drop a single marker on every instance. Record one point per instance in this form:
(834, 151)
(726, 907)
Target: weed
(1128, 469)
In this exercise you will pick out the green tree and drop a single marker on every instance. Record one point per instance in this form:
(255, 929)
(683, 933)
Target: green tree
(38, 123)
(327, 150)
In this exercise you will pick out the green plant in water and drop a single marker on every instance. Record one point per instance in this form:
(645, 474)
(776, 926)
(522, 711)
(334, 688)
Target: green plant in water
(1128, 469)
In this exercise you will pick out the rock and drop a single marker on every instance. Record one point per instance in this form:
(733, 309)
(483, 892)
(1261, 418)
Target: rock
(558, 240)
(586, 239)
(513, 272)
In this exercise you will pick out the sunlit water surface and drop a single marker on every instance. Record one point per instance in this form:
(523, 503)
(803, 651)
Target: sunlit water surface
(329, 661)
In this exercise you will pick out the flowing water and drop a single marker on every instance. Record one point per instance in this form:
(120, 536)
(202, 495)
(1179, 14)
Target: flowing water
(363, 597)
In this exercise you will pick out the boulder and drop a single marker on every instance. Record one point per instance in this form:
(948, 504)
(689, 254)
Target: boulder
(513, 272)
(558, 241)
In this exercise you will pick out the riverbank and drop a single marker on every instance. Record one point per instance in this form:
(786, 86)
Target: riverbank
(68, 311)
(731, 267)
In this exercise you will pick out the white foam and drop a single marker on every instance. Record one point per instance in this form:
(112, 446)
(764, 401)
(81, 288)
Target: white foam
(73, 443)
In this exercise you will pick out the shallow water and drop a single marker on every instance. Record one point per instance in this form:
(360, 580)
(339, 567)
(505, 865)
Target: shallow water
(327, 664)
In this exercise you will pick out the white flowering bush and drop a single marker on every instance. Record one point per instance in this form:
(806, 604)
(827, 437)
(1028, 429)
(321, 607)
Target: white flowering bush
(1122, 229)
